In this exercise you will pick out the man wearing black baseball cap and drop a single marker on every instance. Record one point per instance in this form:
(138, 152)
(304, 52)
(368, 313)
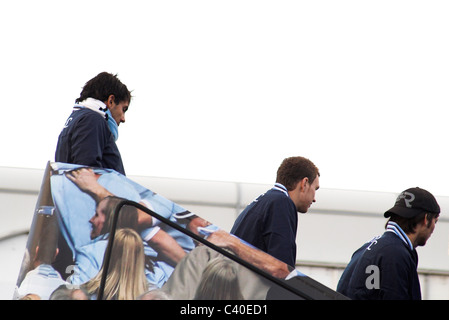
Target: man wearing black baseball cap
(385, 268)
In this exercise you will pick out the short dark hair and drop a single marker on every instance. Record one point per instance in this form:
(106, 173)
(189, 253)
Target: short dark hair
(408, 225)
(104, 85)
(294, 169)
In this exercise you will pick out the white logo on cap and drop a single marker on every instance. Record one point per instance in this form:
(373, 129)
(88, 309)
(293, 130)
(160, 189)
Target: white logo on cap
(408, 201)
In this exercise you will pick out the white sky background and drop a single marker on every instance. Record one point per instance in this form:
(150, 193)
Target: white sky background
(225, 90)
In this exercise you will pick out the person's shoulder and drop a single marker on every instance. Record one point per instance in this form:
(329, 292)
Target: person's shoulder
(391, 245)
(92, 114)
(88, 118)
(276, 194)
(84, 113)
(278, 198)
(272, 198)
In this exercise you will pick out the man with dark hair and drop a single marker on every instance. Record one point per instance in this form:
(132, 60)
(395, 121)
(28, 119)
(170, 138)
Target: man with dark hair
(385, 268)
(89, 134)
(270, 222)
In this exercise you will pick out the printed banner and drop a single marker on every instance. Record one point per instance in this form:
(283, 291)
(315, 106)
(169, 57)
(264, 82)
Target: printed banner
(81, 246)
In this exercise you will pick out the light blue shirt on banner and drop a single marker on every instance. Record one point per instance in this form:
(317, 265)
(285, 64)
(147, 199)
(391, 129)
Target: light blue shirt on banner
(76, 208)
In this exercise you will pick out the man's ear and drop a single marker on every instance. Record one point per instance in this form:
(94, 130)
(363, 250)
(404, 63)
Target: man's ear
(428, 220)
(425, 222)
(110, 101)
(303, 183)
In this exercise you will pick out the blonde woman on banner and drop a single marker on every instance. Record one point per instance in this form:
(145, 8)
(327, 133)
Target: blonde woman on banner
(126, 273)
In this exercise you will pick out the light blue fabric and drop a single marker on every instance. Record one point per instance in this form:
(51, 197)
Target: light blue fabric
(113, 126)
(166, 209)
(75, 208)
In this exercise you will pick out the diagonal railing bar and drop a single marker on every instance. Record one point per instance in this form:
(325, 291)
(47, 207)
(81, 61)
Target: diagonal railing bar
(190, 234)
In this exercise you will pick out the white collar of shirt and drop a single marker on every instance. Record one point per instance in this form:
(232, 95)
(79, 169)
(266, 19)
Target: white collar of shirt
(94, 105)
(101, 108)
(280, 187)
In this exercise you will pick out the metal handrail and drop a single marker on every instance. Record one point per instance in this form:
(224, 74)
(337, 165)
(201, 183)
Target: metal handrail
(189, 233)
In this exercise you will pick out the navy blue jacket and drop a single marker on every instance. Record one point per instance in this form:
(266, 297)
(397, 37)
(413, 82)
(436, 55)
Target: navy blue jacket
(396, 265)
(270, 223)
(87, 140)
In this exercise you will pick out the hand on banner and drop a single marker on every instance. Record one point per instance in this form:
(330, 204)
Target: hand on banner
(86, 180)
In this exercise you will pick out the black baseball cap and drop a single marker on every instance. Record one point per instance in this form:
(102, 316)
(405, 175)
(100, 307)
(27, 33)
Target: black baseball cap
(412, 202)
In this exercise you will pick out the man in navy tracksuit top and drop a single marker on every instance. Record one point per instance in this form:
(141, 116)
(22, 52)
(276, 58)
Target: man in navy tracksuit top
(270, 222)
(385, 268)
(89, 134)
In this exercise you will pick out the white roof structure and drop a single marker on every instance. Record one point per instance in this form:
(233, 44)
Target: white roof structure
(336, 225)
